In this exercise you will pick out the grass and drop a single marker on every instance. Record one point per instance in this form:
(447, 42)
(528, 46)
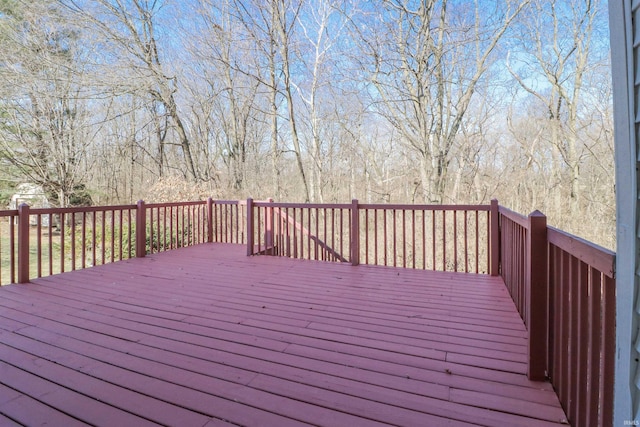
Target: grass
(54, 264)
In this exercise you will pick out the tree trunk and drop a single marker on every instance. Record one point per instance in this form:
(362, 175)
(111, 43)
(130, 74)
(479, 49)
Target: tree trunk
(286, 72)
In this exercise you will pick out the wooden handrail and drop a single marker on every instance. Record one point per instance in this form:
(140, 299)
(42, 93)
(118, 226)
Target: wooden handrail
(283, 205)
(516, 217)
(406, 207)
(596, 256)
(79, 209)
(177, 204)
(109, 233)
(564, 289)
(307, 233)
(330, 234)
(269, 239)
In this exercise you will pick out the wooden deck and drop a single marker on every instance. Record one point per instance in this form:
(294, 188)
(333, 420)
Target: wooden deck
(205, 336)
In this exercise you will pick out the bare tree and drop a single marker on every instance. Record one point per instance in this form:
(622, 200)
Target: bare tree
(285, 13)
(224, 59)
(129, 29)
(45, 125)
(427, 61)
(321, 24)
(556, 48)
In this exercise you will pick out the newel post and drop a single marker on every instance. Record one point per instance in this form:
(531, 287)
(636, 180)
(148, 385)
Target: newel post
(209, 220)
(494, 238)
(23, 243)
(141, 229)
(537, 295)
(249, 226)
(355, 233)
(268, 228)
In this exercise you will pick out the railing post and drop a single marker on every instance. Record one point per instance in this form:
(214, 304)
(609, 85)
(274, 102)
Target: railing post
(537, 296)
(494, 230)
(23, 243)
(268, 229)
(141, 229)
(210, 220)
(249, 226)
(355, 233)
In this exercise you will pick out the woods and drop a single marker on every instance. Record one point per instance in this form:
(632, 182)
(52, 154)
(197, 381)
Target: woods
(431, 101)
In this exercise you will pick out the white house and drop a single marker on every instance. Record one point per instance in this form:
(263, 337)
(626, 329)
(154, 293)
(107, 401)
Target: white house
(34, 196)
(624, 16)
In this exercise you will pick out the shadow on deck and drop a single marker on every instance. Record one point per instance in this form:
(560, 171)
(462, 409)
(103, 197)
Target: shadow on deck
(206, 336)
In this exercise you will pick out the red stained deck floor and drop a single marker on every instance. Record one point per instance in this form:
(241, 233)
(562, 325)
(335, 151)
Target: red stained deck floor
(206, 336)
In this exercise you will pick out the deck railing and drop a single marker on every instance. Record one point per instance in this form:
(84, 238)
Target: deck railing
(172, 225)
(41, 242)
(67, 239)
(229, 221)
(304, 231)
(581, 327)
(564, 289)
(454, 238)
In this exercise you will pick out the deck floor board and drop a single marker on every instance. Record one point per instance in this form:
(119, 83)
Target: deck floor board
(205, 336)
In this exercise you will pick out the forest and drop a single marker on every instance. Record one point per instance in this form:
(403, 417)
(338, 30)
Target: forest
(402, 101)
